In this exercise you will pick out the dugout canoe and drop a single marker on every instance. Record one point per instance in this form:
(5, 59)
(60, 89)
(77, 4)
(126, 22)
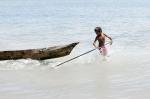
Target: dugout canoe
(38, 54)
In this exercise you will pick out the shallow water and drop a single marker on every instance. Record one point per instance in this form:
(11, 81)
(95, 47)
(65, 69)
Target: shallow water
(37, 24)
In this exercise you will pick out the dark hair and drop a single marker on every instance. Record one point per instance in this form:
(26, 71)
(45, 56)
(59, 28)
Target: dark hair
(98, 30)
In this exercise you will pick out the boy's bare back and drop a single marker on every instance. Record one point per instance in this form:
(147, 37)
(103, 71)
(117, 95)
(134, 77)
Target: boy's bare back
(100, 37)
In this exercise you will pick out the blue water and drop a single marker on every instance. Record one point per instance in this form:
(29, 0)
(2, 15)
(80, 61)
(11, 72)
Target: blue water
(32, 23)
(42, 23)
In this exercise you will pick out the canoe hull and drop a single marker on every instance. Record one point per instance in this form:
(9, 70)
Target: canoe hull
(38, 54)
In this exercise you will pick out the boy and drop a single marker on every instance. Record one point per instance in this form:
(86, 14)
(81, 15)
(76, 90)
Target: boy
(101, 39)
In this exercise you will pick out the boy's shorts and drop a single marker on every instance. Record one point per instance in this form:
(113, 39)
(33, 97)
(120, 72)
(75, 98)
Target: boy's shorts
(103, 50)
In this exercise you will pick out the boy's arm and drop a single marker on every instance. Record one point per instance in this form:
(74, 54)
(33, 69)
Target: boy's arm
(95, 42)
(109, 38)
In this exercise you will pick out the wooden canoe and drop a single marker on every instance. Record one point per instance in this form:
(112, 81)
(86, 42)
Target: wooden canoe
(38, 54)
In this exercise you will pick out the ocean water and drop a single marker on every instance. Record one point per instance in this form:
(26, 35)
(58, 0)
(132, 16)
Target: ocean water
(125, 74)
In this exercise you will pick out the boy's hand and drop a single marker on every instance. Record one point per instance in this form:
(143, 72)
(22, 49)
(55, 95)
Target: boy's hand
(94, 45)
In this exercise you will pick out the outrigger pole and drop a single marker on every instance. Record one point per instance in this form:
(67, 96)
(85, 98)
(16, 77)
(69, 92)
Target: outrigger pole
(77, 56)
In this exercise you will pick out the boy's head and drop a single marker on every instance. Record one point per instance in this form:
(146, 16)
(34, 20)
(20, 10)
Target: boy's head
(98, 30)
